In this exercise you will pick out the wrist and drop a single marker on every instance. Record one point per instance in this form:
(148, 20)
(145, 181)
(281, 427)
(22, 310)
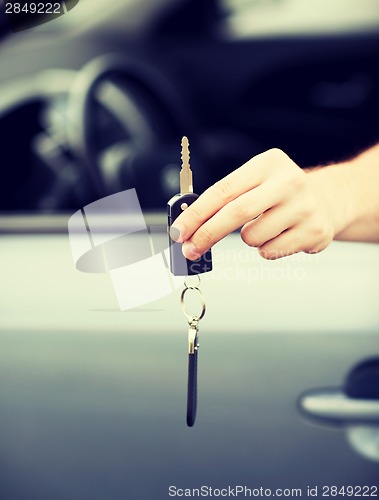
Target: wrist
(335, 186)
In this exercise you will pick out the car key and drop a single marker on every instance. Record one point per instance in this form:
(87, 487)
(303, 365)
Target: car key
(179, 265)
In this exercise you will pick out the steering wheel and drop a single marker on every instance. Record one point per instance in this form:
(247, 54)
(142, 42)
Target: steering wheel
(151, 119)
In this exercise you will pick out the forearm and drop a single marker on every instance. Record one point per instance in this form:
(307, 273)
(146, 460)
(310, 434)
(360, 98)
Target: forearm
(352, 191)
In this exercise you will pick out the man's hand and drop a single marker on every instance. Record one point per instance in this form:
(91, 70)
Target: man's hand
(281, 208)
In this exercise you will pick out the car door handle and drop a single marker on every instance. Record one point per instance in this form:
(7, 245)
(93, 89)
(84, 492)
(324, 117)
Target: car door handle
(335, 406)
(353, 408)
(357, 401)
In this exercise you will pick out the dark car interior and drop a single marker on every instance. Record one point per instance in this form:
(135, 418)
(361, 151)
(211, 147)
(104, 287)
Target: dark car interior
(109, 115)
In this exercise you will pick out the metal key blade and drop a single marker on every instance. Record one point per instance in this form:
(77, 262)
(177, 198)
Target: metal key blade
(186, 184)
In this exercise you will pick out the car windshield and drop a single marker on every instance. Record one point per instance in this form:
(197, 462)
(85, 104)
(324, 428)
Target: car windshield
(124, 17)
(250, 18)
(241, 19)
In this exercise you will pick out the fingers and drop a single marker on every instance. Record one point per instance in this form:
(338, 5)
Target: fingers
(303, 237)
(287, 243)
(270, 224)
(233, 215)
(249, 176)
(275, 221)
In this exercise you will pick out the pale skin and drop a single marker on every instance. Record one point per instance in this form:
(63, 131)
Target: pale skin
(282, 209)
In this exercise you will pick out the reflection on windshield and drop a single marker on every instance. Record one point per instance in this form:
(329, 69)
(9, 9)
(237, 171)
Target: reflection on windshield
(270, 17)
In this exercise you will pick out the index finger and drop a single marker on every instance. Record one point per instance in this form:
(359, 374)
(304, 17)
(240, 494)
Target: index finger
(250, 175)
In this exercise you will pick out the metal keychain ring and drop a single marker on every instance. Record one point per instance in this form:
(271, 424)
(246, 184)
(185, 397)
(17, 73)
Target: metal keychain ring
(182, 303)
(192, 286)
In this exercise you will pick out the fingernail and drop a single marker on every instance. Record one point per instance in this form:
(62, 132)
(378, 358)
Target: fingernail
(190, 252)
(176, 233)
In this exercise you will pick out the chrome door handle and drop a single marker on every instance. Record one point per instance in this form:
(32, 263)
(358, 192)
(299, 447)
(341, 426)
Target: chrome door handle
(354, 408)
(333, 406)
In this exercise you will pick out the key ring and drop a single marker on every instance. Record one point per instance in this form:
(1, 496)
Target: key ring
(190, 317)
(192, 287)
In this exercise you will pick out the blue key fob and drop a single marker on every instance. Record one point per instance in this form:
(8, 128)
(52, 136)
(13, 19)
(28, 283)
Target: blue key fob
(179, 265)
